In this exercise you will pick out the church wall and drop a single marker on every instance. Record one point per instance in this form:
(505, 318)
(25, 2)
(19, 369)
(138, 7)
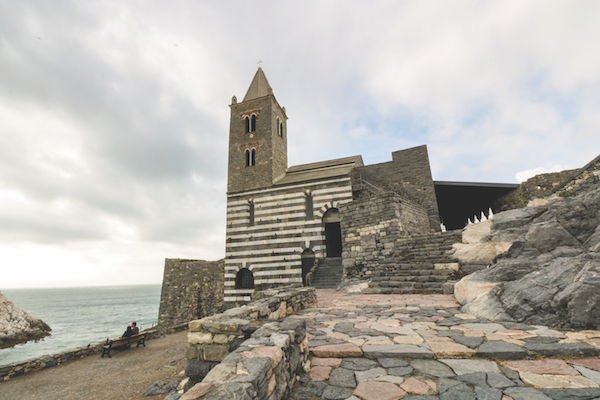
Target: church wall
(409, 175)
(191, 289)
(371, 226)
(271, 248)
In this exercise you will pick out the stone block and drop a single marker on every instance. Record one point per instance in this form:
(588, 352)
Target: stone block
(196, 325)
(215, 352)
(199, 338)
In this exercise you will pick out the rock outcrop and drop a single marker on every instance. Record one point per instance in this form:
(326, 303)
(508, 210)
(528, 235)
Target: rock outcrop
(544, 262)
(17, 326)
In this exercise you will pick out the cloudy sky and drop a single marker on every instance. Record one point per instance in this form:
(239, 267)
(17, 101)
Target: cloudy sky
(114, 114)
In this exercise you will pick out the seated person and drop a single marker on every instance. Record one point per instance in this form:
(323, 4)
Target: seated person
(134, 328)
(128, 332)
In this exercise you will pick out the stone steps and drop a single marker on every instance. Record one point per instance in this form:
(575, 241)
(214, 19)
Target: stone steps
(417, 264)
(329, 274)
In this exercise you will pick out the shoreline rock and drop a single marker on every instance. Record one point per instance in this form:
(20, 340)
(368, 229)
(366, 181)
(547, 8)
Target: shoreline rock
(17, 326)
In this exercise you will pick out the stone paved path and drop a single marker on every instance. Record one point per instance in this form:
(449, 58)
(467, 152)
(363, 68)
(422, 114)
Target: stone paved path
(385, 347)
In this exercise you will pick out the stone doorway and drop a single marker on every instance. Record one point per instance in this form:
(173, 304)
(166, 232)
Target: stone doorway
(333, 233)
(308, 260)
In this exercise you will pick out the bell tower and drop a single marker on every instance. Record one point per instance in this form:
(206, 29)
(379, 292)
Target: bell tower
(257, 138)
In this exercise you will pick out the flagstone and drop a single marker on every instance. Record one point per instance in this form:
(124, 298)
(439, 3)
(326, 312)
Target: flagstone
(496, 336)
(591, 363)
(593, 342)
(408, 339)
(376, 390)
(338, 335)
(439, 339)
(547, 366)
(326, 362)
(361, 325)
(398, 350)
(412, 385)
(485, 327)
(545, 331)
(426, 332)
(319, 373)
(356, 341)
(465, 316)
(516, 342)
(588, 373)
(463, 367)
(473, 333)
(399, 330)
(389, 322)
(390, 378)
(378, 341)
(450, 349)
(544, 381)
(337, 350)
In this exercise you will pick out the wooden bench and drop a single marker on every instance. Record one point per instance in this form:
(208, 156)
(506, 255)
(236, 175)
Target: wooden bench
(124, 343)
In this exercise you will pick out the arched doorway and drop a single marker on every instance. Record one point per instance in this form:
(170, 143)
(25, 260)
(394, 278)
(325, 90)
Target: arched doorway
(333, 233)
(308, 260)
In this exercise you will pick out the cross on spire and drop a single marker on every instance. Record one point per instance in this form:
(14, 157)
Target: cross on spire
(259, 63)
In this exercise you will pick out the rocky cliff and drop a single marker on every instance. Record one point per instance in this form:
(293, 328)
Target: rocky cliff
(16, 326)
(544, 261)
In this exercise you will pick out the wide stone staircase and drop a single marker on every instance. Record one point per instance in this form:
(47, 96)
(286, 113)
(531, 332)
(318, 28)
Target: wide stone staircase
(329, 273)
(417, 264)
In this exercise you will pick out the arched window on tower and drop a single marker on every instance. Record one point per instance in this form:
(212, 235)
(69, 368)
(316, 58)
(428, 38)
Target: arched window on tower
(253, 123)
(250, 157)
(247, 124)
(244, 279)
(281, 129)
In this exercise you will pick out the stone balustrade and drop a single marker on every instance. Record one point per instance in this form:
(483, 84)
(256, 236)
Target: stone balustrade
(249, 351)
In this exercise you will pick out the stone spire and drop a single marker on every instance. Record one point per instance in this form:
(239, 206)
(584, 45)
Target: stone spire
(259, 87)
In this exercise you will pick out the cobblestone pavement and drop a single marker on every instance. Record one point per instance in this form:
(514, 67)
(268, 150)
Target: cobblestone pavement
(384, 347)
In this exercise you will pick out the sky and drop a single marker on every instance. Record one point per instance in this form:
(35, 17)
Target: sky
(114, 116)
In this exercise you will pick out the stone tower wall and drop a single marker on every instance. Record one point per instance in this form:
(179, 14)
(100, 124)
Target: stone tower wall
(271, 148)
(191, 289)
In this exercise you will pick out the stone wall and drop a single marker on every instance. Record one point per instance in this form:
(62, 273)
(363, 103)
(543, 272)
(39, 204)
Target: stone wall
(250, 332)
(371, 225)
(409, 175)
(191, 289)
(9, 371)
(539, 186)
(584, 180)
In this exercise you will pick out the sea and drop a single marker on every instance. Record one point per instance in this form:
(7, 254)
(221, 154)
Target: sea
(81, 316)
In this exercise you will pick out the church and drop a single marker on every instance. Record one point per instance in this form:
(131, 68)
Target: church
(284, 221)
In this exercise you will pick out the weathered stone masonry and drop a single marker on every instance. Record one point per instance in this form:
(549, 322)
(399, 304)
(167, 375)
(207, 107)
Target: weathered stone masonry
(191, 289)
(250, 350)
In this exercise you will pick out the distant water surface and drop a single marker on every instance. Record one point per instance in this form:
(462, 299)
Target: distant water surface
(80, 316)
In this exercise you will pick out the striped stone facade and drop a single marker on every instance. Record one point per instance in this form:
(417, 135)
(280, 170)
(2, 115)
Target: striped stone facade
(283, 229)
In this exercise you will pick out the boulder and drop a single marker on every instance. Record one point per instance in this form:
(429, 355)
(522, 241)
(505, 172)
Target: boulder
(17, 326)
(544, 264)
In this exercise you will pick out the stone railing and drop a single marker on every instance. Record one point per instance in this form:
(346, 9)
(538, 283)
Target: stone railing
(249, 351)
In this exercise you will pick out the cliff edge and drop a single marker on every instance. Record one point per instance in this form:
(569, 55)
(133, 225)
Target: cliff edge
(17, 326)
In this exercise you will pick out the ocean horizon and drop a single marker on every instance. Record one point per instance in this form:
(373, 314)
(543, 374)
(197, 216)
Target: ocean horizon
(80, 316)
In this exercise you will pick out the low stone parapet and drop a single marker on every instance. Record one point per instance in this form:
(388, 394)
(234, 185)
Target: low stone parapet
(24, 367)
(250, 350)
